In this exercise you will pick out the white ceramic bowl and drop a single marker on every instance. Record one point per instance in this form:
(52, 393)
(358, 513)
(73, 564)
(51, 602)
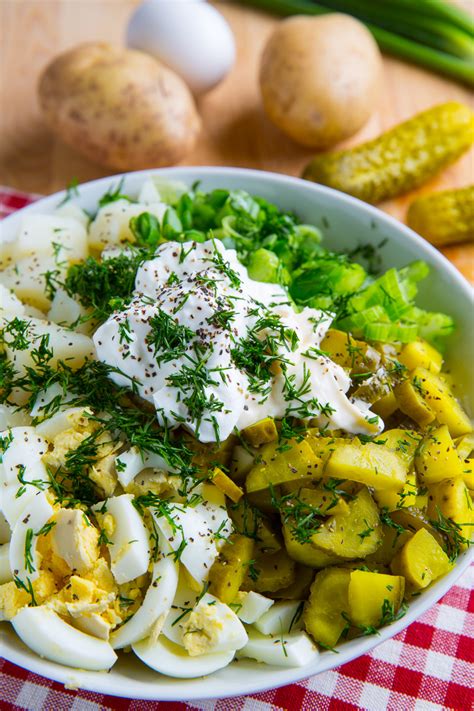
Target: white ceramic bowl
(346, 222)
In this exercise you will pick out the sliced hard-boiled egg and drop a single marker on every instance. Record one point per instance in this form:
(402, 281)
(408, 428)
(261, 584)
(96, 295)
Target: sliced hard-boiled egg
(183, 603)
(128, 541)
(212, 627)
(45, 399)
(196, 532)
(156, 604)
(61, 421)
(5, 530)
(11, 417)
(24, 559)
(23, 449)
(250, 606)
(5, 570)
(285, 650)
(75, 539)
(282, 617)
(130, 463)
(50, 637)
(168, 658)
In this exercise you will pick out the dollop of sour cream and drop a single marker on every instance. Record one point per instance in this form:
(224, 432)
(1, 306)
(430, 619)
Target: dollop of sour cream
(215, 351)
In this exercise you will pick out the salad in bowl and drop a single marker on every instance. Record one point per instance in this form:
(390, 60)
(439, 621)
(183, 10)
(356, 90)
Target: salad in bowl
(220, 440)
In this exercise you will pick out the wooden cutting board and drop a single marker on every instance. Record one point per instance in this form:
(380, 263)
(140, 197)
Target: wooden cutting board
(235, 129)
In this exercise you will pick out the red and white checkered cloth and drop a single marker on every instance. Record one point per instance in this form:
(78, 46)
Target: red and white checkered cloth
(427, 667)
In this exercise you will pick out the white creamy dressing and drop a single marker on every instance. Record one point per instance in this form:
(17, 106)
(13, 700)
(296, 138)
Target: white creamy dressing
(196, 381)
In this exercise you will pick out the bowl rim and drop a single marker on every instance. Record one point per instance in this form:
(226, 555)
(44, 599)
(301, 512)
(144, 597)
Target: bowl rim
(103, 683)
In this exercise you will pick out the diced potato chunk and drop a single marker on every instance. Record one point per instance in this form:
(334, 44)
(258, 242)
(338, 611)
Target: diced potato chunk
(230, 568)
(275, 467)
(421, 561)
(111, 225)
(26, 278)
(420, 353)
(374, 598)
(370, 464)
(437, 458)
(411, 403)
(261, 432)
(440, 399)
(326, 611)
(56, 236)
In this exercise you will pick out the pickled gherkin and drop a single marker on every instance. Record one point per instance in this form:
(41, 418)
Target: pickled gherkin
(401, 159)
(445, 217)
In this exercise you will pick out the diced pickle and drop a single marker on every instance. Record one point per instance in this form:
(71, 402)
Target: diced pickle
(226, 485)
(412, 520)
(346, 351)
(420, 353)
(421, 561)
(386, 406)
(270, 572)
(276, 467)
(261, 432)
(411, 403)
(465, 445)
(230, 568)
(355, 535)
(304, 552)
(392, 500)
(370, 464)
(437, 457)
(441, 400)
(452, 500)
(326, 611)
(299, 589)
(325, 501)
(392, 541)
(403, 442)
(250, 522)
(374, 598)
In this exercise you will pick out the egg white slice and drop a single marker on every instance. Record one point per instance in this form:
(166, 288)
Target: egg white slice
(129, 545)
(195, 533)
(61, 421)
(282, 617)
(129, 464)
(22, 455)
(212, 627)
(45, 397)
(49, 636)
(250, 606)
(157, 603)
(23, 556)
(5, 531)
(5, 570)
(11, 417)
(287, 650)
(168, 658)
(184, 601)
(12, 504)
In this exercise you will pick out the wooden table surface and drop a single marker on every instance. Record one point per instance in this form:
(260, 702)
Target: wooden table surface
(236, 131)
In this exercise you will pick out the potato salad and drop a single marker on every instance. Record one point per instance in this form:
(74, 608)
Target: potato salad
(218, 439)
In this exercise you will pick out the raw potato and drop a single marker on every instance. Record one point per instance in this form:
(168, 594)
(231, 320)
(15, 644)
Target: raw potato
(120, 108)
(319, 78)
